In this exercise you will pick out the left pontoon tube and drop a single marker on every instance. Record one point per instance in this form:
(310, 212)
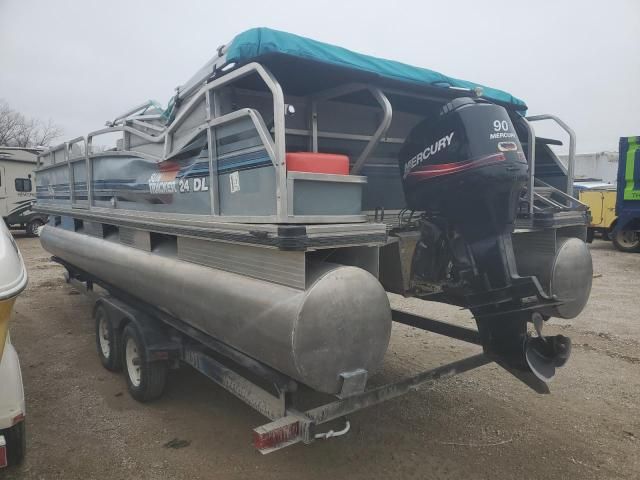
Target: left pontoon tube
(339, 324)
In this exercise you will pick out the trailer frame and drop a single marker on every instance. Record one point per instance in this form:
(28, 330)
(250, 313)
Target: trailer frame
(271, 393)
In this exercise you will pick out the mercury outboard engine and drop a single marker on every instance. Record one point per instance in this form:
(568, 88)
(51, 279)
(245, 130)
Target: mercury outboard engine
(465, 170)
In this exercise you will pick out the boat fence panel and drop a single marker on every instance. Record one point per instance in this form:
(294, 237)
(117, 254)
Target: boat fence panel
(45, 159)
(135, 183)
(79, 175)
(196, 118)
(231, 99)
(325, 194)
(52, 185)
(384, 187)
(106, 140)
(76, 149)
(246, 175)
(58, 156)
(141, 145)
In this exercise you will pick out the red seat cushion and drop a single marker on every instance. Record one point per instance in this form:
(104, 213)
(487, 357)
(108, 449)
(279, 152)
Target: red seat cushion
(318, 163)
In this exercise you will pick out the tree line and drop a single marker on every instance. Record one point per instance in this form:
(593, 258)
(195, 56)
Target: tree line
(18, 130)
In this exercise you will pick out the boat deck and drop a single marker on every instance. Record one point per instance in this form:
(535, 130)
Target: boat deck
(298, 237)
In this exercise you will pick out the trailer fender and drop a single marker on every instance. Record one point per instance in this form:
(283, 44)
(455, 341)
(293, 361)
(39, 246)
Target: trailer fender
(154, 334)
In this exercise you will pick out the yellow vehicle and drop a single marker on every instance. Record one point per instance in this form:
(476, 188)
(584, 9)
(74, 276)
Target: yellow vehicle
(602, 206)
(13, 279)
(601, 200)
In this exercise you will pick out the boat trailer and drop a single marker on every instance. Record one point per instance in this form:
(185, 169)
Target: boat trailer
(169, 342)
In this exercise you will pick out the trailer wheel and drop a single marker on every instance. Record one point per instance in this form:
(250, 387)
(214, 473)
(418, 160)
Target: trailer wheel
(16, 439)
(590, 234)
(33, 227)
(145, 380)
(626, 241)
(107, 341)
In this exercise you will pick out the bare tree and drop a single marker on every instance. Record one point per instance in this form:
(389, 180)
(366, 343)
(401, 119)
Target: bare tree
(17, 130)
(10, 121)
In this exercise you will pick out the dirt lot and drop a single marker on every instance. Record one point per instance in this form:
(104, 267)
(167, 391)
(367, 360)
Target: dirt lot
(483, 424)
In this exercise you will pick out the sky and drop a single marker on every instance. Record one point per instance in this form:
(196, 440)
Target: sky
(83, 62)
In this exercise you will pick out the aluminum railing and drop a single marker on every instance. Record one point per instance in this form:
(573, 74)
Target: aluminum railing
(531, 157)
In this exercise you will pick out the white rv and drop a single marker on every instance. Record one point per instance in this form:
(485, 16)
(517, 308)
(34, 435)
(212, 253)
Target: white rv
(17, 189)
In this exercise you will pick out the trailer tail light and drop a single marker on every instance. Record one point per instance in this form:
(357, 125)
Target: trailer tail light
(3, 452)
(276, 435)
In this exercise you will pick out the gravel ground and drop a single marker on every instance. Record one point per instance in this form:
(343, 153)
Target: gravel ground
(483, 424)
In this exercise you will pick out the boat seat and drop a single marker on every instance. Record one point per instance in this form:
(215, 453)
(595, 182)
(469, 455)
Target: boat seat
(317, 163)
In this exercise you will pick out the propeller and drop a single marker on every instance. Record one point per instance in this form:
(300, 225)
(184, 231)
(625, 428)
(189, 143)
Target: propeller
(545, 354)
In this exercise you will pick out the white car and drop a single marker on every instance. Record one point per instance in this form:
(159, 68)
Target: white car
(13, 279)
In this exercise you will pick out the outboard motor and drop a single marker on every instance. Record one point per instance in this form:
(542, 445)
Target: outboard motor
(465, 170)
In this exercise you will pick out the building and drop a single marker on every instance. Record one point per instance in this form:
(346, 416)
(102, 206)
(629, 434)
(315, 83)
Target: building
(599, 166)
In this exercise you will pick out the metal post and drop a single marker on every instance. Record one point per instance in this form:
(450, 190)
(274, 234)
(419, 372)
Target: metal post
(387, 110)
(572, 160)
(531, 157)
(314, 126)
(72, 181)
(280, 139)
(213, 171)
(87, 154)
(126, 137)
(211, 144)
(382, 129)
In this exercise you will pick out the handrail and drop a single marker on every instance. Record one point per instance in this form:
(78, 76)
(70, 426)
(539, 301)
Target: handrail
(531, 156)
(564, 195)
(193, 102)
(278, 116)
(131, 111)
(340, 91)
(243, 71)
(572, 145)
(381, 130)
(74, 141)
(137, 121)
(274, 145)
(255, 117)
(124, 128)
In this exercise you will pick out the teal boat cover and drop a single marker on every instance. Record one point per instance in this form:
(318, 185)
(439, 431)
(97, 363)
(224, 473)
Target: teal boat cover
(257, 43)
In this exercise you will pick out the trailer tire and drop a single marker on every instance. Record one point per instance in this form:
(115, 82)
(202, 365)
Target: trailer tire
(146, 380)
(626, 241)
(16, 439)
(107, 340)
(33, 226)
(590, 235)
